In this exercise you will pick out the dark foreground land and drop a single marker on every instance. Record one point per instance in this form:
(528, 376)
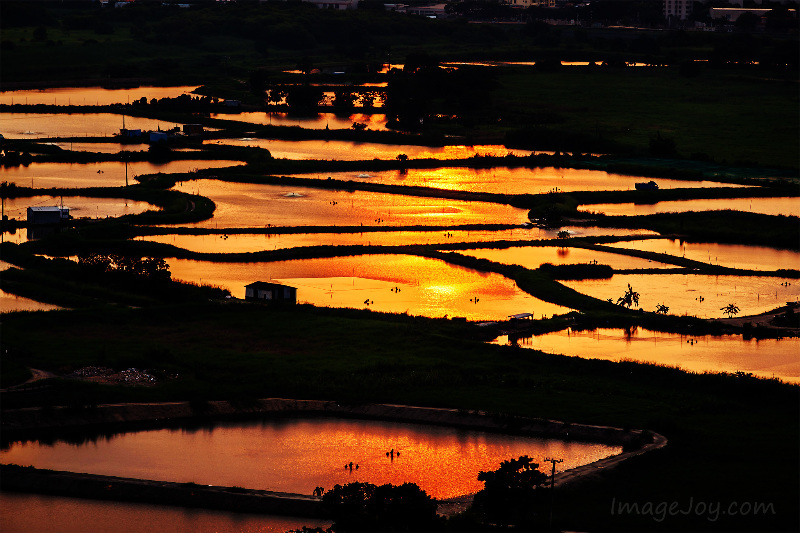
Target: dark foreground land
(716, 424)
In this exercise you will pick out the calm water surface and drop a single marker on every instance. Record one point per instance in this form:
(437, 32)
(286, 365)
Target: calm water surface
(102, 148)
(535, 256)
(90, 95)
(11, 302)
(45, 125)
(729, 353)
(682, 292)
(35, 513)
(247, 205)
(104, 174)
(79, 206)
(319, 122)
(355, 151)
(296, 455)
(504, 180)
(428, 287)
(729, 255)
(238, 243)
(767, 206)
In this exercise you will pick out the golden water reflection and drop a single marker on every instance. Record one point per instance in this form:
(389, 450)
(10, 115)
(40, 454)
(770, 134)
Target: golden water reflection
(728, 353)
(427, 287)
(46, 125)
(247, 205)
(242, 243)
(729, 255)
(534, 256)
(356, 151)
(297, 455)
(682, 293)
(79, 206)
(11, 302)
(376, 122)
(90, 95)
(102, 174)
(788, 206)
(518, 180)
(36, 513)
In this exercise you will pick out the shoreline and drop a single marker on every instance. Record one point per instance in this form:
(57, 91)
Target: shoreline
(33, 423)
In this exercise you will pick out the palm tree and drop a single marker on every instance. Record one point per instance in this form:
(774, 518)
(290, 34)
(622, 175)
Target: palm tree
(730, 310)
(630, 298)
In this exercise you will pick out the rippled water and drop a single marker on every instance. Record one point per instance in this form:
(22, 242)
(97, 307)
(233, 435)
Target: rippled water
(297, 455)
(428, 287)
(728, 353)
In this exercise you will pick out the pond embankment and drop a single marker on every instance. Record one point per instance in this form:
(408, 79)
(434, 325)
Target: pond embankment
(31, 423)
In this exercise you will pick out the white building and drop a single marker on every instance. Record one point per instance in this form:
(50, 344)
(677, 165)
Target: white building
(47, 214)
(677, 9)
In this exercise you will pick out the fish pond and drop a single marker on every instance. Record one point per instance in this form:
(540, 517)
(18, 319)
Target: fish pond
(296, 455)
(766, 358)
(386, 283)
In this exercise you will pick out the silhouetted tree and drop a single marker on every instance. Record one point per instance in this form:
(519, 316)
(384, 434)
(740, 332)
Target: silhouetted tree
(510, 493)
(366, 507)
(630, 298)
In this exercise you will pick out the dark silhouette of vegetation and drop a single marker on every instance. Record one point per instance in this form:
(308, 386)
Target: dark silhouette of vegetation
(630, 298)
(730, 310)
(511, 494)
(366, 507)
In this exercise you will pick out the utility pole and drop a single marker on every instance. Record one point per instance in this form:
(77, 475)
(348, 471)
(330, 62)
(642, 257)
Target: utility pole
(553, 486)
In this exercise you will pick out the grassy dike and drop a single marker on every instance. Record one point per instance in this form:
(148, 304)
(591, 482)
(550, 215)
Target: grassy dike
(715, 423)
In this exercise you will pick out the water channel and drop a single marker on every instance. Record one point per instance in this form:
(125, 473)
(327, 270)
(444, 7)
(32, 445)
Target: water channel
(766, 358)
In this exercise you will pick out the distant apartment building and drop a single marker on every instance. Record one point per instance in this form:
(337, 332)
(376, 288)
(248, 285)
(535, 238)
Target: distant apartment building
(528, 3)
(331, 4)
(677, 9)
